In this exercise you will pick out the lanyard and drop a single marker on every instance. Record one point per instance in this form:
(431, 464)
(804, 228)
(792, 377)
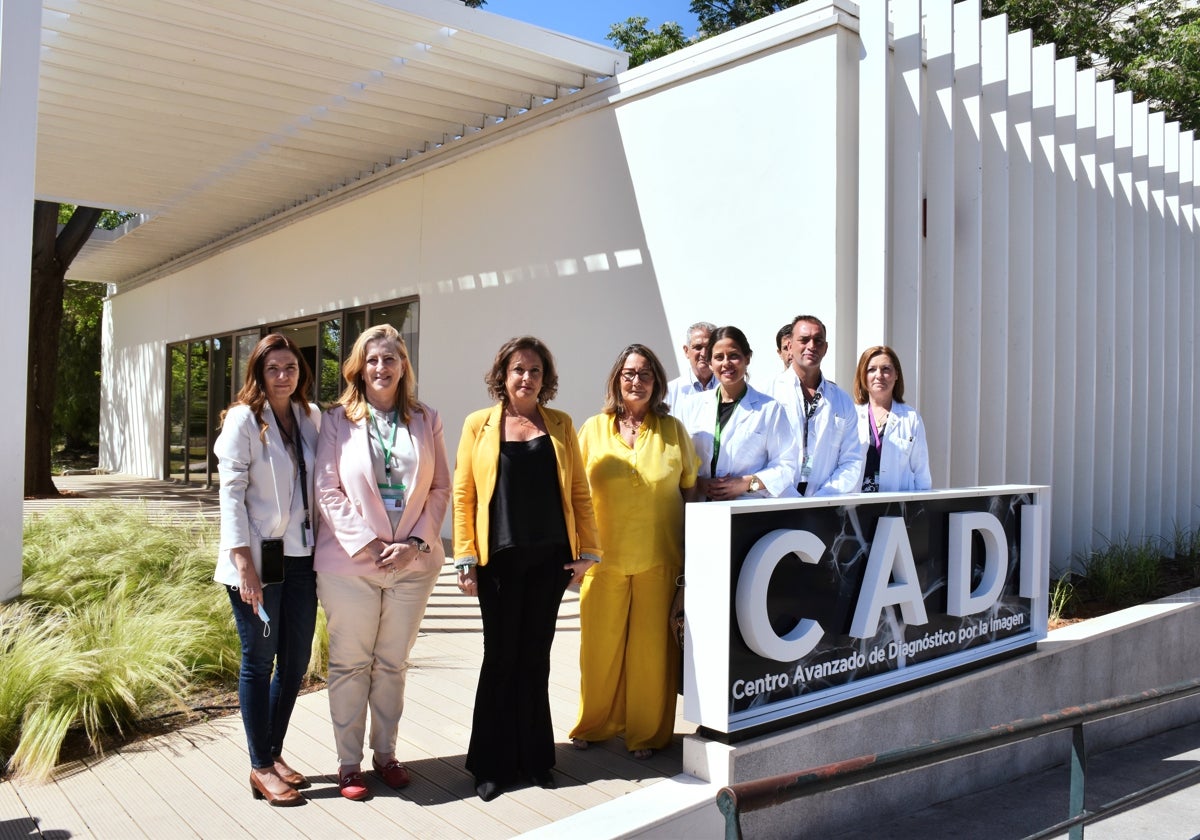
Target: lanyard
(720, 427)
(874, 430)
(384, 445)
(810, 409)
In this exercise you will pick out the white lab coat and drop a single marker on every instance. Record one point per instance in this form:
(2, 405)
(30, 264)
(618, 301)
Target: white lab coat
(757, 440)
(837, 454)
(258, 485)
(904, 459)
(681, 389)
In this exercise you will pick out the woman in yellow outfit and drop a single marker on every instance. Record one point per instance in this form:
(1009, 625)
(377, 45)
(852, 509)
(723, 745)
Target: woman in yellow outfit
(639, 461)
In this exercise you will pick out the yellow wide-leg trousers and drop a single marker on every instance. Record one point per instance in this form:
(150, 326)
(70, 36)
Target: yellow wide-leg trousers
(628, 662)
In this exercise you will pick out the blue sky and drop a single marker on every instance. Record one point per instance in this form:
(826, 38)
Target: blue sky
(591, 19)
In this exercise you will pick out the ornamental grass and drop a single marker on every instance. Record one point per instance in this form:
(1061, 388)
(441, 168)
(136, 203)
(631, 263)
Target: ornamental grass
(119, 614)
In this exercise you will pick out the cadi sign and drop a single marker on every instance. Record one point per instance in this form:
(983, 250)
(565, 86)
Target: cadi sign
(808, 603)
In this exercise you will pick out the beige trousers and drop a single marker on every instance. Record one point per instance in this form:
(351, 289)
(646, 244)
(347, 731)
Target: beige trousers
(373, 623)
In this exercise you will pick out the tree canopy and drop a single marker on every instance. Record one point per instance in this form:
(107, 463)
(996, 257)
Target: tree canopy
(634, 37)
(1150, 48)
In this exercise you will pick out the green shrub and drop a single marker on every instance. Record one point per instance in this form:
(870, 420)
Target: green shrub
(1063, 597)
(118, 611)
(1124, 572)
(1186, 542)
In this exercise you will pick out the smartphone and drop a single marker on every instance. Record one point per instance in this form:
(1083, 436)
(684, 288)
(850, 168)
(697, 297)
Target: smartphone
(272, 562)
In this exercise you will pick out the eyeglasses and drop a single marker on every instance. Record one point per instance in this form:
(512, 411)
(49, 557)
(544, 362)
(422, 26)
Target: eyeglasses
(640, 375)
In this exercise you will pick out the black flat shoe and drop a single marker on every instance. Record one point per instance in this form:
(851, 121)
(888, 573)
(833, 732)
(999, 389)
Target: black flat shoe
(544, 780)
(487, 790)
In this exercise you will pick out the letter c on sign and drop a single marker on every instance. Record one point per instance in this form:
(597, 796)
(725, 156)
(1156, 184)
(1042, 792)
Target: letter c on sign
(751, 598)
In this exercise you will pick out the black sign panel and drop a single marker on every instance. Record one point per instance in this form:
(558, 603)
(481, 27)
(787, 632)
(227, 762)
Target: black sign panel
(829, 592)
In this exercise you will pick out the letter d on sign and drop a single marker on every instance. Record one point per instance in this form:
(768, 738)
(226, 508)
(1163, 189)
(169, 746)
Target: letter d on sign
(751, 599)
(959, 600)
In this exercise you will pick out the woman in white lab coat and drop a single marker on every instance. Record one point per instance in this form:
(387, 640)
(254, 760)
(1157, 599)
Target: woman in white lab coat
(746, 446)
(889, 429)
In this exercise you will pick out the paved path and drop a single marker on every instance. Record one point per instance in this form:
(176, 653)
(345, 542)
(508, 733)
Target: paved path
(193, 783)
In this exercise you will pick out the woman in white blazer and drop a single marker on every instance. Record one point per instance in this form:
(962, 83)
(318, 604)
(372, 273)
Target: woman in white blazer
(746, 446)
(266, 455)
(383, 486)
(890, 430)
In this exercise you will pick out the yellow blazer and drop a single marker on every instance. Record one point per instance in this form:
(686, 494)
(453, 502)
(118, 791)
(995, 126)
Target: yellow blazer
(475, 480)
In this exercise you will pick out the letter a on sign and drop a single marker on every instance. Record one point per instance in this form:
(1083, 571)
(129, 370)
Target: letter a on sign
(891, 578)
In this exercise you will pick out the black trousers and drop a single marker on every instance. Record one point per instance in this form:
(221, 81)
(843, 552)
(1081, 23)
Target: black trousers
(520, 590)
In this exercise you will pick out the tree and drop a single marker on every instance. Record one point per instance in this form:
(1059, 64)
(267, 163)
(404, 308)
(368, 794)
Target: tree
(717, 16)
(53, 253)
(474, 4)
(77, 394)
(1148, 47)
(635, 38)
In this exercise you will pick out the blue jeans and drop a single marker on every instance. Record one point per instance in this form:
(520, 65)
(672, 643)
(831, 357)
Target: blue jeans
(267, 702)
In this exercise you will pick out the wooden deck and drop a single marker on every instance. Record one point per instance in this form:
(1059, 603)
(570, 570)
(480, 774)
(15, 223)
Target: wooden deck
(193, 783)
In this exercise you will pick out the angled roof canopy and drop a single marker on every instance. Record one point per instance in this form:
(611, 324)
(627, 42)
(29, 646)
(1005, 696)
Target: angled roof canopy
(211, 116)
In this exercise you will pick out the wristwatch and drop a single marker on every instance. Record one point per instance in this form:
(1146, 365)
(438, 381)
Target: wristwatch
(755, 484)
(419, 544)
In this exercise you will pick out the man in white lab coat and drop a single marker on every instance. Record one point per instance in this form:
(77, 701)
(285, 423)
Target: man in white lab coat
(699, 376)
(823, 415)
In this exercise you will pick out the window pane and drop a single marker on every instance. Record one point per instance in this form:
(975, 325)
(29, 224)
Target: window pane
(356, 322)
(245, 346)
(305, 336)
(329, 374)
(176, 404)
(197, 411)
(220, 395)
(402, 316)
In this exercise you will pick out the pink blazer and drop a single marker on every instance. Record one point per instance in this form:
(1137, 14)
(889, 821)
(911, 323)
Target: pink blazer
(352, 511)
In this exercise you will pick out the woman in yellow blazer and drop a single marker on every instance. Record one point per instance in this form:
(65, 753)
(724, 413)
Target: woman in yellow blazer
(523, 531)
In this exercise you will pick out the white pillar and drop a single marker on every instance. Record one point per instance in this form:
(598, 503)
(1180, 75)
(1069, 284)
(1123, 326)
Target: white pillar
(20, 45)
(874, 186)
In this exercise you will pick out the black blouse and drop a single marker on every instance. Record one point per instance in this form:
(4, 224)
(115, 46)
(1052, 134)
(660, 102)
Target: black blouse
(526, 506)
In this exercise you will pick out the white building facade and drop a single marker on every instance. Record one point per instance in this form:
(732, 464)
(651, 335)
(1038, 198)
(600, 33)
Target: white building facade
(1025, 237)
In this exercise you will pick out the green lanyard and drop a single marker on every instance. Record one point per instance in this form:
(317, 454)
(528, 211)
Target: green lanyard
(712, 467)
(387, 449)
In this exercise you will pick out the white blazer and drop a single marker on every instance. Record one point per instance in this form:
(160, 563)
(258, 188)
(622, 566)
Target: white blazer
(757, 440)
(837, 456)
(258, 482)
(904, 459)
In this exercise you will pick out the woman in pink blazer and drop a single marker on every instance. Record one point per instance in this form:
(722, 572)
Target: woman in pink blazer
(383, 486)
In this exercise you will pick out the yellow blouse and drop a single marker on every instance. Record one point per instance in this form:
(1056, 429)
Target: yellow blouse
(636, 490)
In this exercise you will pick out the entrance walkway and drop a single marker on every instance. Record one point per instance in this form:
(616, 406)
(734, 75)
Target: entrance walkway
(193, 782)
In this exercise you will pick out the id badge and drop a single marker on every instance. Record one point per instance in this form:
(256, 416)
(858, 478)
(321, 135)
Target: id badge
(393, 496)
(806, 468)
(309, 540)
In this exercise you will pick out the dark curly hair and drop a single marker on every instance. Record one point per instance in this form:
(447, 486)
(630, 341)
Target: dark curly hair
(496, 377)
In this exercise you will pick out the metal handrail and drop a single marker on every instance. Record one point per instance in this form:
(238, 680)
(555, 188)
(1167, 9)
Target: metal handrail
(742, 797)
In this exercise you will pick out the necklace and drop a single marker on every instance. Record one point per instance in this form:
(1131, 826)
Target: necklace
(631, 424)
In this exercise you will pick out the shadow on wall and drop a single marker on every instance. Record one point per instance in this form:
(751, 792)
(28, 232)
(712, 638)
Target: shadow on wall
(551, 244)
